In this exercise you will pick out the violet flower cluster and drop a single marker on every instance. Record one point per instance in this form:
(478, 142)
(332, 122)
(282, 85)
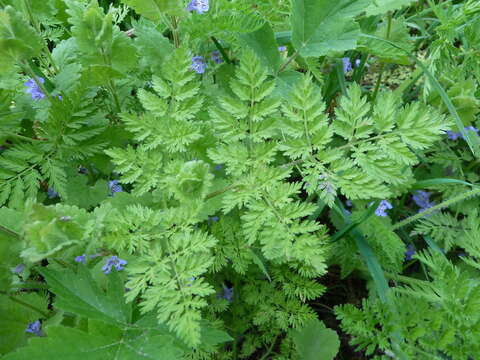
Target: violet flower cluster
(382, 208)
(422, 199)
(200, 6)
(198, 64)
(114, 262)
(34, 90)
(452, 135)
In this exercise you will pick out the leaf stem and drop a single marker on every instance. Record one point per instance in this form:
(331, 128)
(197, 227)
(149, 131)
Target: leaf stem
(25, 304)
(289, 60)
(382, 67)
(444, 204)
(221, 50)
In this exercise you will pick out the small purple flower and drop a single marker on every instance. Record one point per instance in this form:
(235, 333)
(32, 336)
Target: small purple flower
(218, 167)
(349, 203)
(114, 261)
(51, 193)
(198, 64)
(34, 328)
(213, 219)
(382, 207)
(347, 65)
(217, 57)
(81, 259)
(18, 269)
(282, 48)
(34, 90)
(114, 186)
(192, 279)
(200, 6)
(228, 293)
(422, 199)
(358, 62)
(410, 251)
(453, 135)
(471, 128)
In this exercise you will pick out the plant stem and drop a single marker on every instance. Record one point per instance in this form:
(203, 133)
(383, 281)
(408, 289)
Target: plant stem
(27, 305)
(446, 203)
(221, 50)
(289, 60)
(29, 13)
(382, 67)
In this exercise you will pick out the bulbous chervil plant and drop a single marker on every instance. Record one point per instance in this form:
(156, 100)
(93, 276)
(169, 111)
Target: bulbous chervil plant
(239, 179)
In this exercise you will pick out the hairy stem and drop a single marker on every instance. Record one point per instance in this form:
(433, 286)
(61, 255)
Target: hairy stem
(446, 203)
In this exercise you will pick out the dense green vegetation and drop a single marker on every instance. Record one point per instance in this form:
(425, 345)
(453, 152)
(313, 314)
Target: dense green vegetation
(239, 179)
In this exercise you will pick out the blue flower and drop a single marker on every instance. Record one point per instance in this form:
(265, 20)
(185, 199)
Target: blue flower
(422, 199)
(410, 251)
(192, 279)
(452, 135)
(81, 259)
(282, 48)
(382, 207)
(347, 65)
(18, 269)
(213, 219)
(51, 193)
(34, 328)
(219, 167)
(34, 90)
(217, 57)
(114, 261)
(200, 6)
(471, 128)
(198, 64)
(228, 293)
(114, 186)
(358, 62)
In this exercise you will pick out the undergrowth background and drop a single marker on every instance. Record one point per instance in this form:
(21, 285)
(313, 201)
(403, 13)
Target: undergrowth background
(239, 179)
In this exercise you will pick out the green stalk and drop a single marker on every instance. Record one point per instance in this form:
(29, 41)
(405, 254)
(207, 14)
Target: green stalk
(221, 50)
(31, 18)
(27, 305)
(444, 204)
(382, 67)
(289, 60)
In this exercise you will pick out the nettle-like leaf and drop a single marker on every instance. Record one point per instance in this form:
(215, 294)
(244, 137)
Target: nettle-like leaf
(316, 341)
(16, 317)
(79, 293)
(155, 9)
(18, 40)
(378, 7)
(102, 341)
(320, 27)
(51, 229)
(99, 41)
(399, 35)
